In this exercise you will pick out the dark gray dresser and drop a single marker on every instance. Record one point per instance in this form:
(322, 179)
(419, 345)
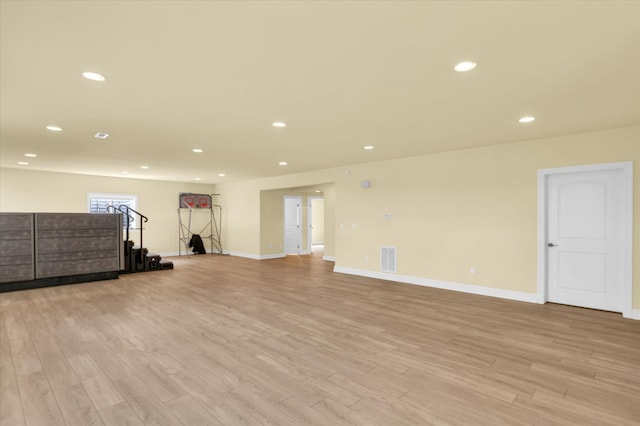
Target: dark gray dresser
(43, 249)
(16, 247)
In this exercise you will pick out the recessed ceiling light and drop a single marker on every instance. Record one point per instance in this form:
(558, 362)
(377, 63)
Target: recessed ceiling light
(93, 76)
(221, 174)
(527, 119)
(197, 179)
(318, 191)
(282, 163)
(101, 135)
(125, 172)
(197, 150)
(144, 167)
(279, 124)
(465, 66)
(28, 154)
(368, 147)
(23, 163)
(54, 128)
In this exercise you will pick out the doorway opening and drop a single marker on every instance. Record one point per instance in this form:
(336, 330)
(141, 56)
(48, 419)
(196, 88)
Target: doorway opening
(315, 219)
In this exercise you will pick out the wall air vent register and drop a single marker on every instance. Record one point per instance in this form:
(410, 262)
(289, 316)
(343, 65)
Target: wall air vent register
(388, 259)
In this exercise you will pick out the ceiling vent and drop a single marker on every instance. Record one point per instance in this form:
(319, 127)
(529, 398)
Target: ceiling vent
(388, 259)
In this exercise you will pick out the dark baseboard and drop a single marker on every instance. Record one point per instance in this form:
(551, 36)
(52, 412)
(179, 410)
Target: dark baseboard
(50, 282)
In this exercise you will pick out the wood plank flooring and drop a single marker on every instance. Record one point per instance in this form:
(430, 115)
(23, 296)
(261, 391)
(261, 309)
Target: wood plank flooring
(231, 341)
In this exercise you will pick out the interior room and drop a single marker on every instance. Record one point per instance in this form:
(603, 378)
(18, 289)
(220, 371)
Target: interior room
(414, 212)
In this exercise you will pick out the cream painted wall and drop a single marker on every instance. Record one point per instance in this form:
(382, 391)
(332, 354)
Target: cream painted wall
(317, 221)
(455, 210)
(271, 227)
(34, 191)
(329, 194)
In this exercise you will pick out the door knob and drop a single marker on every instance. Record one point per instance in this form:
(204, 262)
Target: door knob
(551, 245)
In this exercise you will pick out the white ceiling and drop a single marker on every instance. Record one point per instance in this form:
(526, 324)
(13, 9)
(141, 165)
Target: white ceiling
(341, 74)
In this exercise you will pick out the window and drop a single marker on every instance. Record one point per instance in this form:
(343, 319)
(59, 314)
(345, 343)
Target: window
(99, 203)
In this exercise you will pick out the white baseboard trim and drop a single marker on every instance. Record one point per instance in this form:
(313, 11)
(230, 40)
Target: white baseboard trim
(254, 256)
(445, 285)
(635, 314)
(272, 256)
(240, 254)
(329, 258)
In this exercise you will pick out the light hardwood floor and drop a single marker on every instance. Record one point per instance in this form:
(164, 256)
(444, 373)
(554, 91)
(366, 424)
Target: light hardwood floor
(231, 341)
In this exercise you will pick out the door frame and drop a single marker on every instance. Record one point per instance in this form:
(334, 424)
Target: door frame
(627, 224)
(299, 220)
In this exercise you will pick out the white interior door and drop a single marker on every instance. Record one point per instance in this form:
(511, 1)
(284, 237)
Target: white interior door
(292, 221)
(586, 238)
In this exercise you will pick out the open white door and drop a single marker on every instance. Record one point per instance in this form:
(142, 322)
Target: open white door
(587, 237)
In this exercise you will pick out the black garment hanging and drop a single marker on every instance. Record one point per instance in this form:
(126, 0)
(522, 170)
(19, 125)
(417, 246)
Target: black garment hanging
(197, 244)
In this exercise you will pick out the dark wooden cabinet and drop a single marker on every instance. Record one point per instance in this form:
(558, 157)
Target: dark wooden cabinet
(16, 247)
(53, 248)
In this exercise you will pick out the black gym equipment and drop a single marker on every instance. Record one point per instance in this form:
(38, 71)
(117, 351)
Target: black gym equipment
(137, 259)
